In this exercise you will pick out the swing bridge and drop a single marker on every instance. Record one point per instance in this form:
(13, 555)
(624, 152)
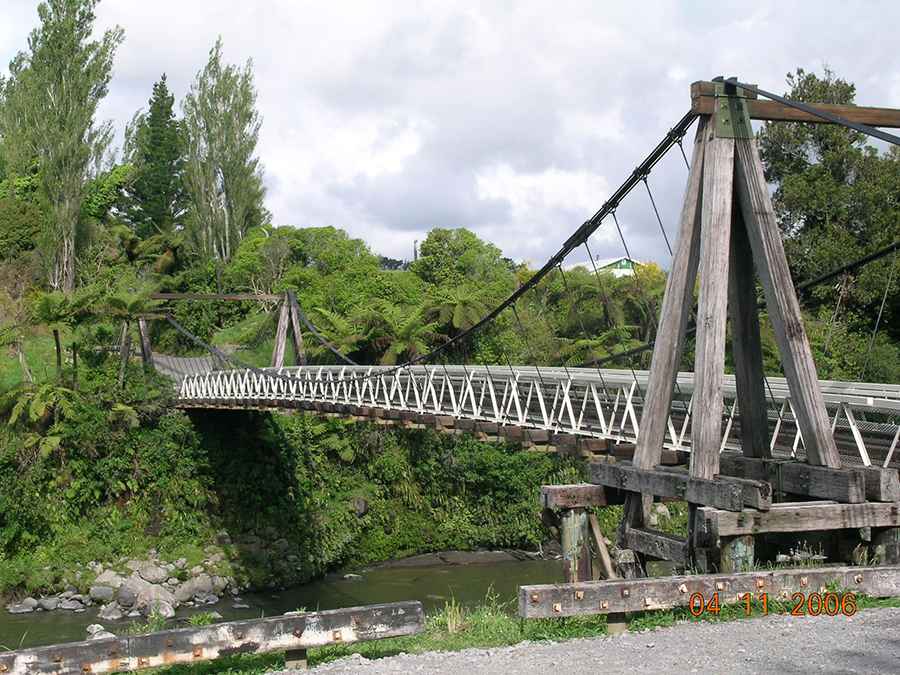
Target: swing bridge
(566, 407)
(761, 461)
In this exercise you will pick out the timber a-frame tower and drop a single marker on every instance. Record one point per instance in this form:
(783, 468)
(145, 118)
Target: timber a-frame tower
(741, 506)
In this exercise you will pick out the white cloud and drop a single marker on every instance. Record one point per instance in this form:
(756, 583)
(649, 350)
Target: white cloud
(515, 119)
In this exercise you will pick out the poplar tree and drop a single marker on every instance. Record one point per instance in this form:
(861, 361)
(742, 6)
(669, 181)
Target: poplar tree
(47, 119)
(154, 144)
(223, 177)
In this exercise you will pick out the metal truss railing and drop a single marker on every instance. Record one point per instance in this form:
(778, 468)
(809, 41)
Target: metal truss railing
(595, 403)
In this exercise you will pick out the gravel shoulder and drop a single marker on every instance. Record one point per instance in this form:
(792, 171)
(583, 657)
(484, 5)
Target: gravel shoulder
(865, 643)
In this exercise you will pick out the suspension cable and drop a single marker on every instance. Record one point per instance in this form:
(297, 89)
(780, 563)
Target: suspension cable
(887, 289)
(658, 218)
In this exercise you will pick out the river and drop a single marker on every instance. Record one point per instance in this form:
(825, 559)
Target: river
(433, 585)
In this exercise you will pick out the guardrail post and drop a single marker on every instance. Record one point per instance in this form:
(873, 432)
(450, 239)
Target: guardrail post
(295, 659)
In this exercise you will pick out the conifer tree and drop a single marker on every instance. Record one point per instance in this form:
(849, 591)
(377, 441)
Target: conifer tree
(155, 146)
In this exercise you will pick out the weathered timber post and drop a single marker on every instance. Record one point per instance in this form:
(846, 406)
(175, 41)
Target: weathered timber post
(299, 351)
(281, 333)
(146, 348)
(886, 545)
(574, 538)
(737, 554)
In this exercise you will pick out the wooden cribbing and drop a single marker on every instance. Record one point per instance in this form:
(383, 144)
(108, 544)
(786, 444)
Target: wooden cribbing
(723, 492)
(882, 484)
(714, 523)
(635, 595)
(798, 478)
(193, 645)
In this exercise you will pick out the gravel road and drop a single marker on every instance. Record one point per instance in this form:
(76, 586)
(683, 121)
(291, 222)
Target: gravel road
(866, 643)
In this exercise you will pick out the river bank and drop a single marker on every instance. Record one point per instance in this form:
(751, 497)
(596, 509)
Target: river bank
(463, 577)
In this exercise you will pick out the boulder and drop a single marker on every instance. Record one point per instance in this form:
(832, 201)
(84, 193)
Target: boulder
(199, 585)
(101, 635)
(134, 565)
(109, 578)
(127, 596)
(159, 607)
(219, 584)
(48, 604)
(102, 593)
(147, 595)
(94, 628)
(27, 606)
(197, 569)
(181, 563)
(71, 605)
(153, 573)
(110, 612)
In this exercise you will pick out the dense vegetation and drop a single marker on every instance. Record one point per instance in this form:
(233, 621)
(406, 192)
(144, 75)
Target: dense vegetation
(94, 463)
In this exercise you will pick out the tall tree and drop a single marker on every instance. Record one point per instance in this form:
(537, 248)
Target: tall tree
(154, 144)
(50, 101)
(837, 198)
(223, 176)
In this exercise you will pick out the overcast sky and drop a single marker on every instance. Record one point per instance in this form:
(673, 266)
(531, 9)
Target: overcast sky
(515, 119)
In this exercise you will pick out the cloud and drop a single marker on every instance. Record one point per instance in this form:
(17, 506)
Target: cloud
(515, 119)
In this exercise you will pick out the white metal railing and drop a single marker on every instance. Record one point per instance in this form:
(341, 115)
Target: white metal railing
(580, 401)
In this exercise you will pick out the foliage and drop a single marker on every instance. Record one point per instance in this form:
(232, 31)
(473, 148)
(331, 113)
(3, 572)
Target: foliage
(48, 117)
(223, 177)
(155, 145)
(837, 199)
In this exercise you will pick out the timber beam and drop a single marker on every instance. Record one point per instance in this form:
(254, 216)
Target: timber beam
(703, 102)
(192, 645)
(848, 485)
(657, 544)
(714, 523)
(724, 492)
(579, 495)
(636, 595)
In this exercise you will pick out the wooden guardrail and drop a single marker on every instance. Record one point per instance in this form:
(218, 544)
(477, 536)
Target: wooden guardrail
(290, 633)
(637, 595)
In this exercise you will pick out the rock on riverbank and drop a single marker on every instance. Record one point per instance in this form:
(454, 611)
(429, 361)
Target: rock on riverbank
(136, 588)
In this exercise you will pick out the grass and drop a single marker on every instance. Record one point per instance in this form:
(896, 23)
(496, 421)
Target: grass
(40, 355)
(491, 625)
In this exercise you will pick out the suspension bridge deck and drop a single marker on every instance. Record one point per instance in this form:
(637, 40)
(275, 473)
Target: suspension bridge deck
(580, 402)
